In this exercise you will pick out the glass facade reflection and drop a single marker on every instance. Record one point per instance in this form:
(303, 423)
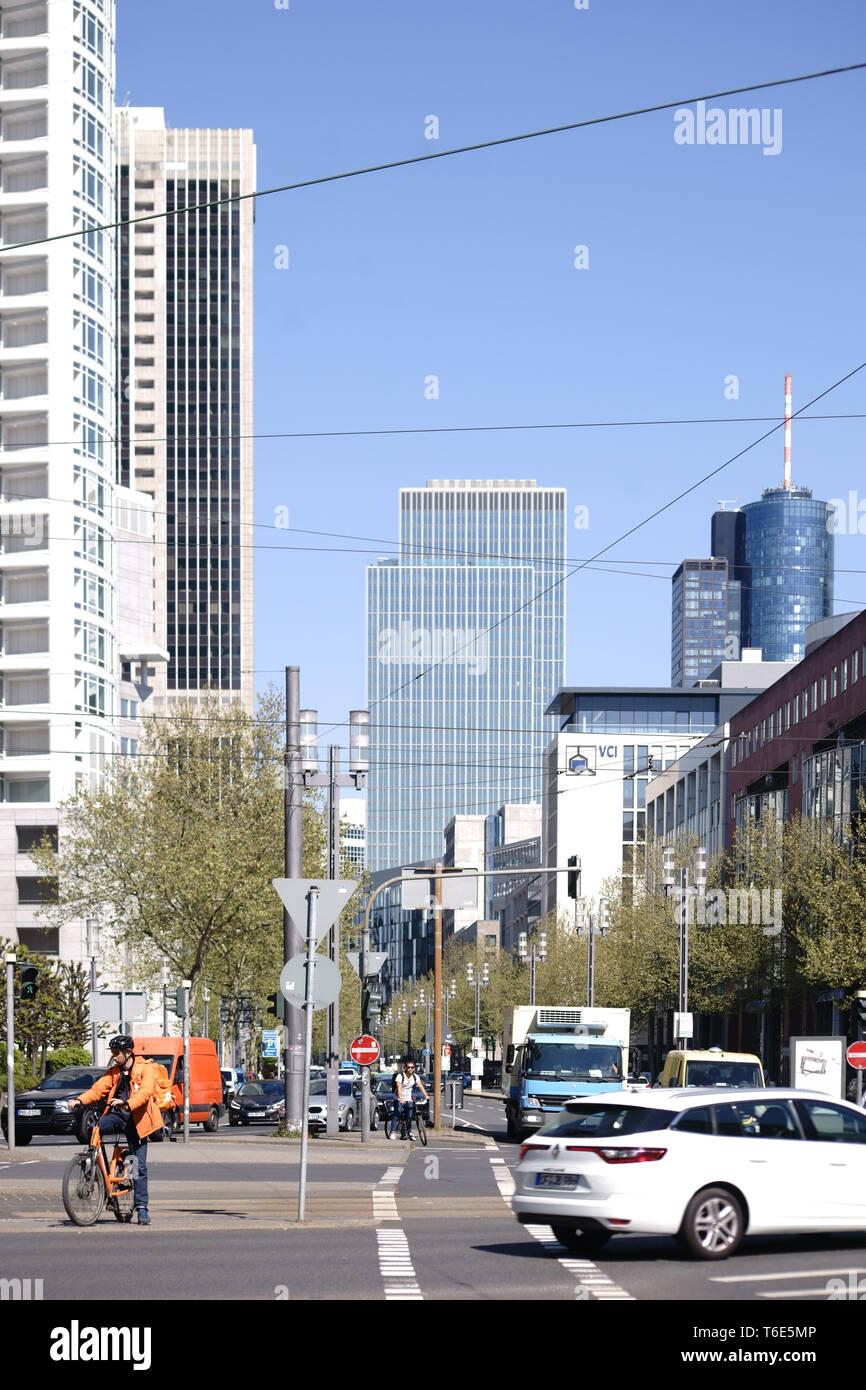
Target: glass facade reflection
(465, 649)
(788, 551)
(705, 619)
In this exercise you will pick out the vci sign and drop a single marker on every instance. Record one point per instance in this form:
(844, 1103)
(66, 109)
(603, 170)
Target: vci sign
(609, 751)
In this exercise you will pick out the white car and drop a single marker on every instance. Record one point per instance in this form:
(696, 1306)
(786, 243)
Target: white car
(701, 1166)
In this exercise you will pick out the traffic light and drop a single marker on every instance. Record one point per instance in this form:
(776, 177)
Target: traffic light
(177, 1001)
(573, 875)
(29, 981)
(277, 1005)
(860, 1013)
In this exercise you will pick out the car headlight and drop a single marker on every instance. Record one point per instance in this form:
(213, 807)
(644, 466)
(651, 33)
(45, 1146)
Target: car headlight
(235, 1105)
(532, 1102)
(61, 1105)
(342, 1107)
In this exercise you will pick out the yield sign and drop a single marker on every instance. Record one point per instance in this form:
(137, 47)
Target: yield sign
(364, 1050)
(334, 893)
(373, 963)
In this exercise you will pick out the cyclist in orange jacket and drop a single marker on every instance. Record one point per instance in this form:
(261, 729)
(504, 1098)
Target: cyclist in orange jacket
(130, 1084)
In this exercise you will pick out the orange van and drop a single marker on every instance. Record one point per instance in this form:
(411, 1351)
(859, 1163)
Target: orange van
(206, 1085)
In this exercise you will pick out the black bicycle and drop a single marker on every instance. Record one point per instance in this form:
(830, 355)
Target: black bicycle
(414, 1122)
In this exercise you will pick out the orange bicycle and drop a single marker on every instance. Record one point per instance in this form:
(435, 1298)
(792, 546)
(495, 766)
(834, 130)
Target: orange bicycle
(92, 1179)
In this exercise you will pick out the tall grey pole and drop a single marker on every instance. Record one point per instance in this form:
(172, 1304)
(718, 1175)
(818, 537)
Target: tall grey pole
(332, 1079)
(312, 901)
(187, 985)
(590, 964)
(532, 974)
(10, 1051)
(205, 994)
(365, 1071)
(293, 941)
(94, 1027)
(684, 941)
(165, 999)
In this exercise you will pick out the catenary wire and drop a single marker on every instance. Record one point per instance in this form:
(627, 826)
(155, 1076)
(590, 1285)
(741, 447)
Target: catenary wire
(436, 154)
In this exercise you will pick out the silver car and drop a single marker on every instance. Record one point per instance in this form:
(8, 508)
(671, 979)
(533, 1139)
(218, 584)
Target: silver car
(349, 1103)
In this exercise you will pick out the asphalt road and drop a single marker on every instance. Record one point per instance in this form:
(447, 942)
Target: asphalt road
(385, 1221)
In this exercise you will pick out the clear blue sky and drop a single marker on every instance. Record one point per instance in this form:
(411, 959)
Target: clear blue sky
(704, 261)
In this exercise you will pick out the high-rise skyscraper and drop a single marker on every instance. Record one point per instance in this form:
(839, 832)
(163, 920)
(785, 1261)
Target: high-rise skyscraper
(465, 649)
(705, 619)
(60, 608)
(779, 555)
(185, 409)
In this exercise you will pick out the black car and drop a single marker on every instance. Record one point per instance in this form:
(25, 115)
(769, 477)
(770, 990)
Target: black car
(45, 1109)
(258, 1100)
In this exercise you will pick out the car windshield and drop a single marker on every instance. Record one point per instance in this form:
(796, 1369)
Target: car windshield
(318, 1088)
(595, 1121)
(711, 1073)
(270, 1089)
(346, 1088)
(65, 1077)
(566, 1061)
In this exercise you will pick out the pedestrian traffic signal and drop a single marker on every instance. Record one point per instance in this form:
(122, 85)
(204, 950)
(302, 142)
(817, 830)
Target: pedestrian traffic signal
(573, 876)
(277, 1005)
(29, 981)
(177, 1001)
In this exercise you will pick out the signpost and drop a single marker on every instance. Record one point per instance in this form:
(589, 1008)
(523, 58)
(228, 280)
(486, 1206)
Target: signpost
(856, 1055)
(365, 1051)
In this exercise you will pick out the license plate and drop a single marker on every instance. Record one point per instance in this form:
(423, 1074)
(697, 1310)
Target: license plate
(257, 1114)
(33, 1114)
(567, 1181)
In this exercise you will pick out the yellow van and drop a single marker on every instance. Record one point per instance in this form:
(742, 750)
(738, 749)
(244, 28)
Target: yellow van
(713, 1068)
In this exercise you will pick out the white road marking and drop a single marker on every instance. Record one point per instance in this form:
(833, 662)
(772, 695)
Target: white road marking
(395, 1266)
(788, 1274)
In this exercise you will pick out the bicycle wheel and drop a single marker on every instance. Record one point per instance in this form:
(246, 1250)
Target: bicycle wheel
(421, 1126)
(122, 1199)
(83, 1190)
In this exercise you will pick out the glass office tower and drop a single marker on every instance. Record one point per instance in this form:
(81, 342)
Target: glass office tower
(465, 649)
(705, 619)
(788, 552)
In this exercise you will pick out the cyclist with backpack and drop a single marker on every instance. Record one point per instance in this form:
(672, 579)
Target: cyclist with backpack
(405, 1082)
(131, 1086)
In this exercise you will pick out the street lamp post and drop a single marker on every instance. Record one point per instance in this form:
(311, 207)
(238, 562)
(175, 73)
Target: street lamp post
(534, 953)
(699, 874)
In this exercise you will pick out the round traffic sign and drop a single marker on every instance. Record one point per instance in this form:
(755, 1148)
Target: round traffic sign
(326, 981)
(364, 1050)
(856, 1055)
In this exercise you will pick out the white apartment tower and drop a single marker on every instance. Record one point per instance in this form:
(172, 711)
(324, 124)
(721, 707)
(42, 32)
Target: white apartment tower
(58, 594)
(185, 408)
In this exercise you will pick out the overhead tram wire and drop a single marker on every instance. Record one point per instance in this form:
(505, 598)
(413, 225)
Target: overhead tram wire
(437, 154)
(624, 536)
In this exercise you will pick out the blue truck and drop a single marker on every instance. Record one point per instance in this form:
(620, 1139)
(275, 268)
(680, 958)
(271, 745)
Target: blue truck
(555, 1053)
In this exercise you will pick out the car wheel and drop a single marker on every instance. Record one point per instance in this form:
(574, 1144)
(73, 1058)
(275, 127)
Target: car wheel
(21, 1139)
(84, 1125)
(374, 1119)
(510, 1128)
(350, 1121)
(212, 1121)
(713, 1225)
(585, 1242)
(233, 1122)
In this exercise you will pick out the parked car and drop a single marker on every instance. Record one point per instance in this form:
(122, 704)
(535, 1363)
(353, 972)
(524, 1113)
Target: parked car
(45, 1108)
(695, 1165)
(349, 1106)
(712, 1067)
(258, 1100)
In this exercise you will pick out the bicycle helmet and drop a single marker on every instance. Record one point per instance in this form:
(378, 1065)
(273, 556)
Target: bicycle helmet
(122, 1043)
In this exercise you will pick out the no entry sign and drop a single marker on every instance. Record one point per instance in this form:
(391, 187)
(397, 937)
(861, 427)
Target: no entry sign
(856, 1055)
(365, 1050)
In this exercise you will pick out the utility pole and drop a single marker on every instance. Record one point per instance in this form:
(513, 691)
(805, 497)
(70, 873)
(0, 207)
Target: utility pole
(293, 941)
(164, 1001)
(92, 950)
(437, 999)
(685, 888)
(205, 995)
(10, 1050)
(534, 954)
(359, 736)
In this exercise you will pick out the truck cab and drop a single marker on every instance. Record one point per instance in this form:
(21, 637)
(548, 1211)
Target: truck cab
(555, 1054)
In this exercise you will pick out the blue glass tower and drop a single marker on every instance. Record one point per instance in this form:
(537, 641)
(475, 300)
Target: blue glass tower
(465, 650)
(787, 558)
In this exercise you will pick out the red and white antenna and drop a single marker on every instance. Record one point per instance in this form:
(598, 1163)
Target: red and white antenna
(787, 482)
